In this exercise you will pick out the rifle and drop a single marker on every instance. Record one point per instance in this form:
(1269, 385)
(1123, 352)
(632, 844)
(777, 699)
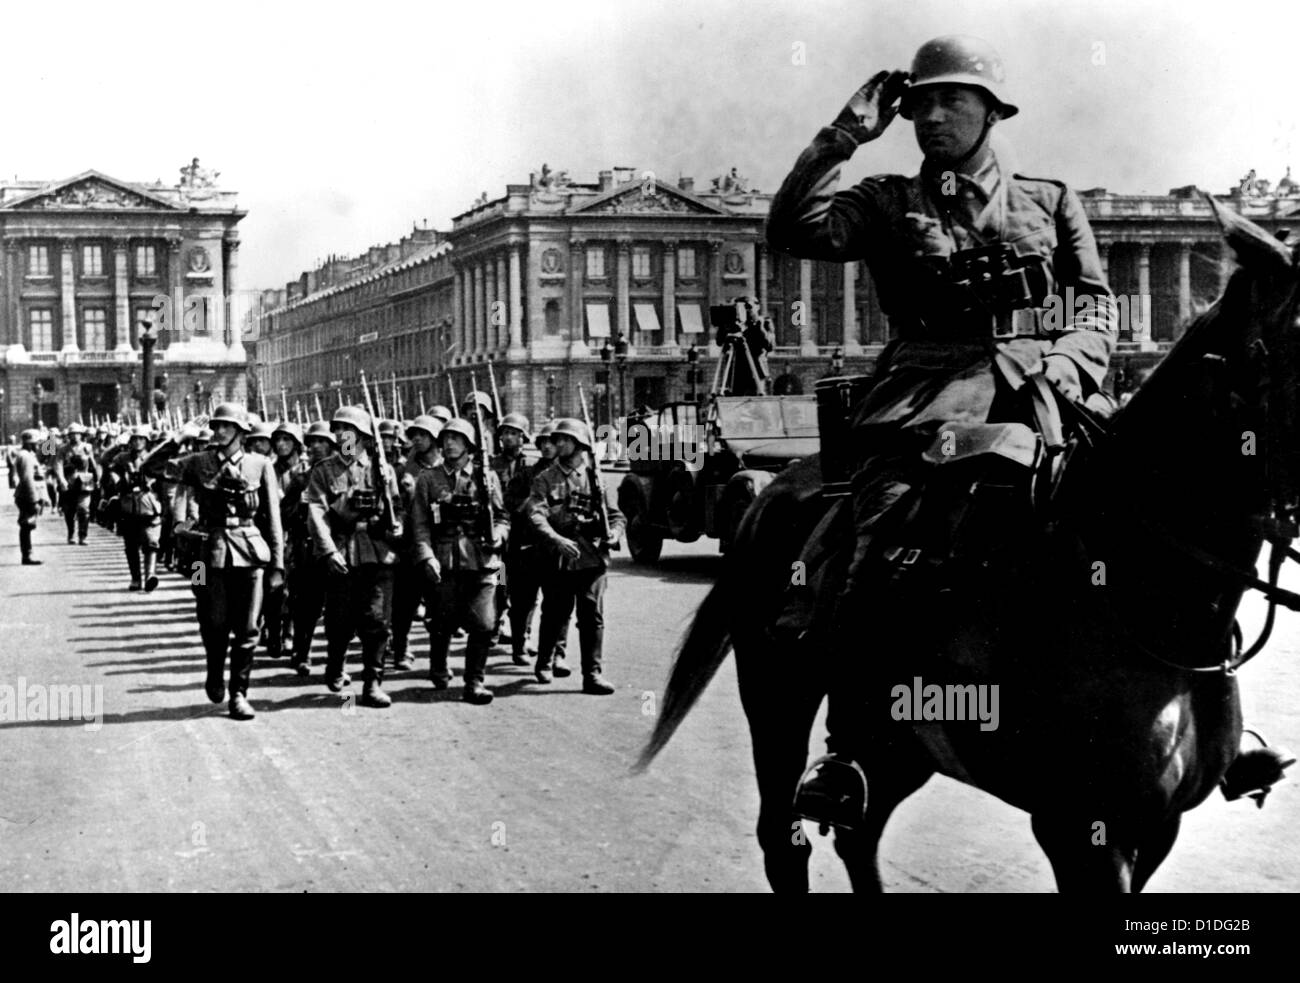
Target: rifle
(481, 459)
(284, 405)
(420, 393)
(397, 403)
(496, 396)
(320, 414)
(379, 464)
(594, 475)
(451, 389)
(297, 407)
(261, 395)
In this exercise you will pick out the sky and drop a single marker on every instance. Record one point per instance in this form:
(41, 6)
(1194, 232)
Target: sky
(343, 125)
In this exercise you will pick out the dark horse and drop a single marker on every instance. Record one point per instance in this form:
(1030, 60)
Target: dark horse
(1114, 646)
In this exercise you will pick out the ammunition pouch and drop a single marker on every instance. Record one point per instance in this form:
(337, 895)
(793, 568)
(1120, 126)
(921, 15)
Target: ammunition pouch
(238, 499)
(364, 503)
(462, 510)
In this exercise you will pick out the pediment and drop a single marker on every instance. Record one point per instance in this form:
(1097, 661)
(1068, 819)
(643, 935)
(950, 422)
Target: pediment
(89, 191)
(641, 198)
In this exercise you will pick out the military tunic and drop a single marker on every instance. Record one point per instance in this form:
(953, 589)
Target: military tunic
(30, 496)
(408, 583)
(78, 478)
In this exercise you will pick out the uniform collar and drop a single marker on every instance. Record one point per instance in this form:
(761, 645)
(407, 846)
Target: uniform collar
(234, 458)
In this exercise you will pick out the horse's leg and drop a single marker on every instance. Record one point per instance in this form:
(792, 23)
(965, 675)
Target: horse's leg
(1087, 855)
(1153, 849)
(895, 774)
(781, 705)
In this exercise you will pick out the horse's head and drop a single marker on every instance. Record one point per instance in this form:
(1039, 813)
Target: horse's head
(1261, 349)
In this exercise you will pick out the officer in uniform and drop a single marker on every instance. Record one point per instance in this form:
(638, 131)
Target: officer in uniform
(286, 442)
(564, 508)
(309, 578)
(358, 547)
(516, 477)
(408, 585)
(139, 509)
(77, 472)
(461, 527)
(30, 493)
(238, 502)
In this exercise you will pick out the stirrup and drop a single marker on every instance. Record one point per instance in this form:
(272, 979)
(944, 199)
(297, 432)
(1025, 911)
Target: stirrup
(832, 792)
(1253, 773)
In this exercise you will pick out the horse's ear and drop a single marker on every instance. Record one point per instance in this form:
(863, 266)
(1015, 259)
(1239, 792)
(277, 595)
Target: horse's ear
(1251, 243)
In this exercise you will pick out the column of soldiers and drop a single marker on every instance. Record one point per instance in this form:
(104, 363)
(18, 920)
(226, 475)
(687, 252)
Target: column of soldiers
(275, 527)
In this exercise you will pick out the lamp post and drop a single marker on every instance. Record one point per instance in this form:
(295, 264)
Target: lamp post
(148, 338)
(550, 396)
(620, 354)
(607, 356)
(837, 361)
(37, 393)
(692, 366)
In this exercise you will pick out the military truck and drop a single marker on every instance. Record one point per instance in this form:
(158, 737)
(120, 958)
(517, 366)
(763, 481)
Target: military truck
(693, 470)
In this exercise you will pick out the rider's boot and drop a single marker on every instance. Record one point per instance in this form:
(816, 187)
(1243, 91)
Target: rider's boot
(1255, 771)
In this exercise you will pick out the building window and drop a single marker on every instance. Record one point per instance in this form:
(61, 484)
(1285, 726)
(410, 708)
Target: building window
(595, 262)
(92, 260)
(94, 328)
(38, 260)
(42, 324)
(686, 262)
(146, 261)
(641, 262)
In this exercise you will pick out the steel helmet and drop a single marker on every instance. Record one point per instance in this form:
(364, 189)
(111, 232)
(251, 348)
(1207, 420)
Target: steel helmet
(263, 428)
(142, 430)
(231, 413)
(958, 60)
(544, 431)
(290, 428)
(320, 429)
(31, 437)
(481, 398)
(440, 413)
(76, 428)
(353, 416)
(516, 420)
(390, 428)
(427, 424)
(569, 427)
(462, 427)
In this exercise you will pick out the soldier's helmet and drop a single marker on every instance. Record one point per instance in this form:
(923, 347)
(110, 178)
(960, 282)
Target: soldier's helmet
(76, 428)
(516, 421)
(958, 60)
(478, 396)
(390, 428)
(31, 436)
(462, 427)
(321, 429)
(352, 416)
(440, 413)
(231, 413)
(253, 419)
(544, 431)
(142, 430)
(427, 424)
(569, 427)
(289, 428)
(263, 428)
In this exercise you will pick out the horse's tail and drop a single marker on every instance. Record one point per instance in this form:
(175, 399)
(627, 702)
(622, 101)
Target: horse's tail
(702, 651)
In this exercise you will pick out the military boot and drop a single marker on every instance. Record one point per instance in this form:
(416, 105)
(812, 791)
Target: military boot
(439, 648)
(1255, 771)
(373, 695)
(475, 692)
(150, 572)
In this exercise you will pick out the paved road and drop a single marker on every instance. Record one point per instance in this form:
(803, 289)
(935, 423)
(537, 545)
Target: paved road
(531, 793)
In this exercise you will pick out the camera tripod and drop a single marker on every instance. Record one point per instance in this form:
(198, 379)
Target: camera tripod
(724, 377)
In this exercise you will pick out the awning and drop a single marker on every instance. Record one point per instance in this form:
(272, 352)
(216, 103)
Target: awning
(647, 319)
(691, 321)
(598, 320)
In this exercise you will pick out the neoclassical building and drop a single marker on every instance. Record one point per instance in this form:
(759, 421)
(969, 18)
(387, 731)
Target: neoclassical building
(547, 279)
(86, 260)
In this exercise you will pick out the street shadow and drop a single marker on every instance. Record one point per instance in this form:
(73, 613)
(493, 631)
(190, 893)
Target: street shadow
(674, 569)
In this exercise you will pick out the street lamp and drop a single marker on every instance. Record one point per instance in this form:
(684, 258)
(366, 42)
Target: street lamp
(620, 354)
(550, 396)
(607, 356)
(837, 361)
(692, 366)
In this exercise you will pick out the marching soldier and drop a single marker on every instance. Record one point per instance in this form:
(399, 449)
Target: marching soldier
(259, 438)
(565, 509)
(308, 579)
(461, 527)
(537, 563)
(286, 442)
(239, 509)
(408, 586)
(30, 495)
(77, 472)
(350, 535)
(516, 477)
(485, 412)
(440, 413)
(139, 509)
(390, 432)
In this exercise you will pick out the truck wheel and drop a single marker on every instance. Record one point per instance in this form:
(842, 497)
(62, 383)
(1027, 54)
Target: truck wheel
(643, 542)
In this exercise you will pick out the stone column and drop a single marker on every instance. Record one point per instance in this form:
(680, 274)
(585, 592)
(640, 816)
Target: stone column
(231, 315)
(458, 317)
(501, 337)
(176, 281)
(1184, 286)
(68, 300)
(669, 319)
(516, 301)
(577, 313)
(121, 298)
(715, 272)
(466, 336)
(1144, 298)
(622, 291)
(13, 341)
(807, 330)
(1103, 253)
(760, 256)
(851, 344)
(480, 314)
